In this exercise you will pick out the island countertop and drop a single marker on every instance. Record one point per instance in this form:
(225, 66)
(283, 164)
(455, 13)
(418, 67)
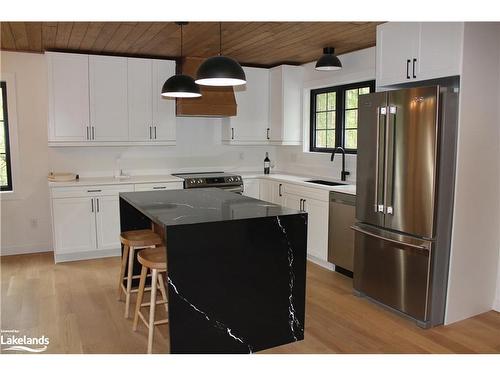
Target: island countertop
(192, 206)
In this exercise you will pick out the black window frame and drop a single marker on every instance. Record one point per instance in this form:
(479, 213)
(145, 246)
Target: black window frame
(8, 187)
(340, 109)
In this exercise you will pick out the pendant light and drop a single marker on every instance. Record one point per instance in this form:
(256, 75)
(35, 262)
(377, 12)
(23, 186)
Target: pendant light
(328, 61)
(180, 85)
(220, 70)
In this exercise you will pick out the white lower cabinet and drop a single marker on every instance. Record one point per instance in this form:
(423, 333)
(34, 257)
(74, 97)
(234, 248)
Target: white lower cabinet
(74, 225)
(271, 191)
(86, 221)
(315, 203)
(107, 216)
(251, 188)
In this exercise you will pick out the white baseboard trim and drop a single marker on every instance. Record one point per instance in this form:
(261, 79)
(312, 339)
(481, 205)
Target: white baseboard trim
(24, 249)
(496, 305)
(321, 262)
(85, 255)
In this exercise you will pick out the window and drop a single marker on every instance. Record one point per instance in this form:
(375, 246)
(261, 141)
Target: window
(5, 165)
(334, 116)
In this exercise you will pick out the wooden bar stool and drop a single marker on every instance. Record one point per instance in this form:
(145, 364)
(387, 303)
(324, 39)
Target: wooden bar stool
(156, 261)
(133, 240)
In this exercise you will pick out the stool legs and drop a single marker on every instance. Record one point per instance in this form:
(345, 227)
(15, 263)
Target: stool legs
(152, 308)
(140, 296)
(163, 290)
(130, 273)
(122, 270)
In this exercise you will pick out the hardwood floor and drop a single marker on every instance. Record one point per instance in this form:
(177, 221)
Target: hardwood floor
(75, 305)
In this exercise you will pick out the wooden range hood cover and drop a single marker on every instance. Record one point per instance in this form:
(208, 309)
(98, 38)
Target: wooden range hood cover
(214, 101)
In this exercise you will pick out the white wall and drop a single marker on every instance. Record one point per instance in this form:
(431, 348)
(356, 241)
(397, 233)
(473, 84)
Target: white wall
(25, 222)
(356, 67)
(25, 218)
(198, 148)
(476, 222)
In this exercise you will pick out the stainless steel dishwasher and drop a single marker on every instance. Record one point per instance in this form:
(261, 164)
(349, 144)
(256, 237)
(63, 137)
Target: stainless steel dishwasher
(340, 235)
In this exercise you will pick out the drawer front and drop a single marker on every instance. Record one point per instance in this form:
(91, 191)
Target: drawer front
(90, 191)
(159, 186)
(306, 192)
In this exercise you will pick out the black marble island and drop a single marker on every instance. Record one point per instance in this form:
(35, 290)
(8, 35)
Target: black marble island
(236, 267)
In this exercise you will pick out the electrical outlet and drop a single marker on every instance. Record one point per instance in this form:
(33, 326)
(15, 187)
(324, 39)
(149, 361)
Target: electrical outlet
(242, 156)
(34, 222)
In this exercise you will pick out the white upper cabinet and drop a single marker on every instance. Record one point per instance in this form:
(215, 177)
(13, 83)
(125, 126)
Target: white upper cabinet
(151, 117)
(68, 97)
(251, 123)
(108, 101)
(397, 44)
(416, 51)
(440, 50)
(285, 106)
(108, 98)
(163, 108)
(140, 99)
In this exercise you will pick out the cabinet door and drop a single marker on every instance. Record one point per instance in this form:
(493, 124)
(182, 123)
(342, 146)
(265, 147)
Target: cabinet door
(292, 201)
(74, 225)
(317, 228)
(163, 108)
(68, 96)
(108, 98)
(440, 50)
(397, 42)
(251, 188)
(293, 78)
(266, 191)
(140, 100)
(276, 103)
(252, 119)
(108, 222)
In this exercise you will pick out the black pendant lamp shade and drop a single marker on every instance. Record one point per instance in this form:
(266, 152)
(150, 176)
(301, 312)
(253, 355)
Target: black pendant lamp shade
(220, 70)
(180, 85)
(328, 61)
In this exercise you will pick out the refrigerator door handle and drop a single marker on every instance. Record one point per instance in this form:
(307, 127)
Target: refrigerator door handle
(368, 233)
(381, 111)
(389, 160)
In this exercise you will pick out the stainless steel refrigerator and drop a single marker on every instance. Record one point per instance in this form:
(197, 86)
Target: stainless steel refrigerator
(405, 183)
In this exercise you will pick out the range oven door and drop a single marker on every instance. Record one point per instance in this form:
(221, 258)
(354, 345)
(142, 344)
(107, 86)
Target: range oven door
(233, 189)
(393, 269)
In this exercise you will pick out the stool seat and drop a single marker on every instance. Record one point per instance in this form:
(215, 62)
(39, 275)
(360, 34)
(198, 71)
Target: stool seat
(140, 238)
(155, 258)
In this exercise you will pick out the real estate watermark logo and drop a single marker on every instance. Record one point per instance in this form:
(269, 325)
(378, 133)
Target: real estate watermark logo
(11, 340)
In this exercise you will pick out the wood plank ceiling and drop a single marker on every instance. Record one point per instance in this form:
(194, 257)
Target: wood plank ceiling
(251, 43)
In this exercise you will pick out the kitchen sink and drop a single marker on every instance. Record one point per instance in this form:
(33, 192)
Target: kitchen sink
(324, 182)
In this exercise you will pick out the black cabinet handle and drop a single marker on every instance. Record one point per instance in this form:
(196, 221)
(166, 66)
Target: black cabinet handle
(279, 190)
(92, 204)
(150, 132)
(159, 187)
(94, 191)
(408, 69)
(414, 62)
(155, 131)
(93, 134)
(87, 132)
(232, 133)
(267, 134)
(97, 199)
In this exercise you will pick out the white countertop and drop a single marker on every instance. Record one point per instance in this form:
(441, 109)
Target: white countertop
(288, 178)
(350, 188)
(92, 181)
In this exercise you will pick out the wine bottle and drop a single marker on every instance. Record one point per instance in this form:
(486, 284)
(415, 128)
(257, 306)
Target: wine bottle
(267, 164)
